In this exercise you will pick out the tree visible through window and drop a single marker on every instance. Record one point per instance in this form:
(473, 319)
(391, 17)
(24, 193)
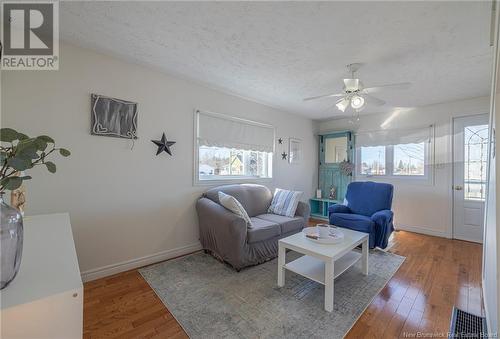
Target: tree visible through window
(393, 160)
(396, 154)
(373, 160)
(409, 159)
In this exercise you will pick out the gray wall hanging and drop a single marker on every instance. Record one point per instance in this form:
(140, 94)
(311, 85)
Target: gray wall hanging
(113, 117)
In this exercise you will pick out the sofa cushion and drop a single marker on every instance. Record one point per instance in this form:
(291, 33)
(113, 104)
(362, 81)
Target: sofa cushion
(255, 199)
(285, 202)
(355, 222)
(287, 224)
(262, 230)
(230, 202)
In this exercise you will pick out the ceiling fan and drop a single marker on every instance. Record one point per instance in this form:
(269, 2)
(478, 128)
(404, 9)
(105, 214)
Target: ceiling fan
(355, 95)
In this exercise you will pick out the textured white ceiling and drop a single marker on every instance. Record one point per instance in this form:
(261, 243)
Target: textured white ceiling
(281, 52)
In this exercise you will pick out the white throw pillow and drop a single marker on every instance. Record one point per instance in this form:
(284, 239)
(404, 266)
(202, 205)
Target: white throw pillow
(232, 204)
(285, 202)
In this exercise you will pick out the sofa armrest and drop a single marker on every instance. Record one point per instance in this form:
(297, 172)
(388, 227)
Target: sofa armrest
(382, 217)
(338, 208)
(219, 224)
(303, 210)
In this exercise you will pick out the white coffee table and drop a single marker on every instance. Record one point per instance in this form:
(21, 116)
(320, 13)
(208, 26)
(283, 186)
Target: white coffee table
(323, 263)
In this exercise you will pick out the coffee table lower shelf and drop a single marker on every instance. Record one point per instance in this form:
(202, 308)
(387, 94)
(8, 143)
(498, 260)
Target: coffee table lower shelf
(323, 263)
(314, 269)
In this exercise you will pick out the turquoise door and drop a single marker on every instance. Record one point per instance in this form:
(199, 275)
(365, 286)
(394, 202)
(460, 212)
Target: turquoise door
(334, 148)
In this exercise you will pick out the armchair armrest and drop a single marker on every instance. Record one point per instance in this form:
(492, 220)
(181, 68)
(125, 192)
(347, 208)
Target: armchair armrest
(219, 224)
(382, 217)
(338, 208)
(303, 210)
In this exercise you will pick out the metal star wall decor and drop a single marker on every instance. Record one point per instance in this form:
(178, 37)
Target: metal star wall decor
(163, 145)
(283, 156)
(280, 141)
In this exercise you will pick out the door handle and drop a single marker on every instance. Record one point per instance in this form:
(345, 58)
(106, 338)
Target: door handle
(458, 188)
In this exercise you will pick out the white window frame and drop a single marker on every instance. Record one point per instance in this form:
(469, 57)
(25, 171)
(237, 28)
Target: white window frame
(221, 180)
(429, 166)
(358, 164)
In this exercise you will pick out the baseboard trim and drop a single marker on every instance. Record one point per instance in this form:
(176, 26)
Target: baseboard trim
(422, 230)
(123, 266)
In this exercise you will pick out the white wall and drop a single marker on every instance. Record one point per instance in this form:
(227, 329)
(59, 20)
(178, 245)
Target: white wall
(425, 208)
(491, 252)
(130, 204)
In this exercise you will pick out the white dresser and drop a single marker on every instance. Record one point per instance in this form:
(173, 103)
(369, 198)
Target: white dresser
(45, 300)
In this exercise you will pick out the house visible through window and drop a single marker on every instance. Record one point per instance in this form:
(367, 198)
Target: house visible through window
(217, 162)
(230, 148)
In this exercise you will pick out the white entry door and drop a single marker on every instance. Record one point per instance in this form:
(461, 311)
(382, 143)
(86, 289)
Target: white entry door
(470, 154)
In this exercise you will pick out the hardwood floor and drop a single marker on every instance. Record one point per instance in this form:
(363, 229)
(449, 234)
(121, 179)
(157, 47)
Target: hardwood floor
(124, 306)
(437, 274)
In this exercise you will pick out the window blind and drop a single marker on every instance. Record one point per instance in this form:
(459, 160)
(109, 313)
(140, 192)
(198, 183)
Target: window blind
(214, 129)
(394, 137)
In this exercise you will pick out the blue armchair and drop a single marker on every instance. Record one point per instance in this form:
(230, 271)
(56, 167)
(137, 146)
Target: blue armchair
(367, 209)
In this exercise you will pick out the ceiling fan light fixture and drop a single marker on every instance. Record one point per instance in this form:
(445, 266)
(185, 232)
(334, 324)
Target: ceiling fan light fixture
(351, 85)
(342, 104)
(357, 102)
(354, 96)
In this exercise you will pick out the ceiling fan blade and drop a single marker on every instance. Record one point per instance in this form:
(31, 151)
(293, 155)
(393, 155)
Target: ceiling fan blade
(373, 100)
(375, 89)
(325, 96)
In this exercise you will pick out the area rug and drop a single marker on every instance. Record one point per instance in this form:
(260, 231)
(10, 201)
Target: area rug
(211, 300)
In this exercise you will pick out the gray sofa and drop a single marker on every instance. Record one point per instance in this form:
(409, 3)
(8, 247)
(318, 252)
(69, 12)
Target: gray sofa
(226, 236)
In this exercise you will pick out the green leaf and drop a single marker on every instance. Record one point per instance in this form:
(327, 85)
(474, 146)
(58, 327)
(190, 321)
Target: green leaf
(28, 154)
(13, 183)
(40, 143)
(3, 181)
(46, 138)
(19, 164)
(8, 134)
(64, 152)
(3, 157)
(22, 136)
(27, 148)
(26, 144)
(51, 166)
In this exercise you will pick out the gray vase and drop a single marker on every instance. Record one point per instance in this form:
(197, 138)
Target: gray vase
(11, 246)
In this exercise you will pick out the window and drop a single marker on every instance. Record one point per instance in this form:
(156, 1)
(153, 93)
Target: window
(396, 154)
(373, 160)
(409, 159)
(223, 163)
(475, 161)
(232, 149)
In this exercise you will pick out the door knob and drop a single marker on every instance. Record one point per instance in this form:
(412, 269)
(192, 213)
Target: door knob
(458, 188)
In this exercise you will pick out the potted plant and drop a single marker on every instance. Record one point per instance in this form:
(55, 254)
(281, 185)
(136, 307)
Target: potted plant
(18, 153)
